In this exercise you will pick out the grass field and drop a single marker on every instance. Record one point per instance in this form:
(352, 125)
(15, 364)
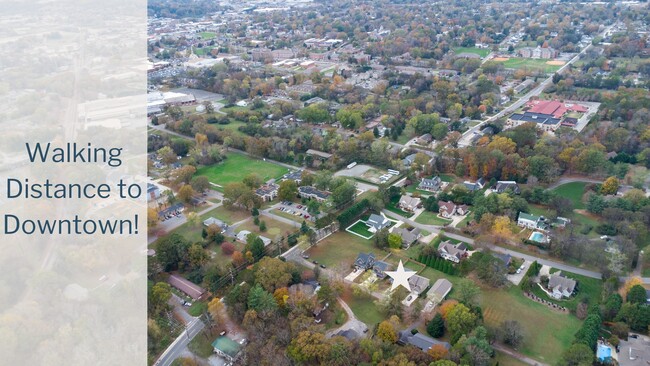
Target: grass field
(431, 218)
(503, 359)
(273, 227)
(361, 229)
(341, 249)
(478, 51)
(237, 166)
(547, 333)
(203, 51)
(573, 191)
(207, 35)
(228, 216)
(530, 64)
(364, 308)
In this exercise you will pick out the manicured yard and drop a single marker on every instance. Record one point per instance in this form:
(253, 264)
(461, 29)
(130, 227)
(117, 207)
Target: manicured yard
(363, 308)
(228, 216)
(447, 178)
(207, 35)
(392, 207)
(547, 333)
(587, 287)
(431, 218)
(573, 191)
(273, 227)
(361, 229)
(237, 166)
(341, 249)
(475, 50)
(530, 64)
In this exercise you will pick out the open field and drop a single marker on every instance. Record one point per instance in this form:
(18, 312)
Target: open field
(273, 227)
(431, 218)
(363, 308)
(237, 166)
(503, 359)
(228, 216)
(207, 35)
(528, 63)
(203, 51)
(573, 191)
(341, 249)
(478, 51)
(545, 343)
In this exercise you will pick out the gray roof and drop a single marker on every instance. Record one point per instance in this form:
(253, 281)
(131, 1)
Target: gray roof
(365, 260)
(419, 340)
(407, 236)
(440, 289)
(561, 282)
(418, 283)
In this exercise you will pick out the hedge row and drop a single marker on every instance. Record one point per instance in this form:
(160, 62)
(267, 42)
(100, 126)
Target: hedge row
(351, 213)
(439, 264)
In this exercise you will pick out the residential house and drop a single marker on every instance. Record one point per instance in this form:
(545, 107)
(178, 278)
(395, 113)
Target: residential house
(409, 203)
(242, 236)
(439, 290)
(408, 161)
(419, 340)
(446, 209)
(431, 185)
(214, 221)
(380, 268)
(226, 348)
(462, 210)
(560, 286)
(312, 192)
(534, 222)
(153, 192)
(319, 156)
(408, 236)
(418, 284)
(191, 289)
(294, 176)
(377, 222)
(349, 334)
(475, 186)
(364, 261)
(505, 258)
(268, 191)
(504, 185)
(452, 252)
(424, 140)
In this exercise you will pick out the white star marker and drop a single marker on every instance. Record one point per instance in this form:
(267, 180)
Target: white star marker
(400, 277)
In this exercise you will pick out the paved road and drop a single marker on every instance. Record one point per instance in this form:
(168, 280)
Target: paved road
(179, 220)
(565, 180)
(436, 229)
(517, 355)
(178, 346)
(465, 140)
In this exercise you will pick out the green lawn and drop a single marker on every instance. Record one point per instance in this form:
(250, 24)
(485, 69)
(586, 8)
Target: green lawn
(273, 228)
(201, 345)
(573, 191)
(207, 35)
(447, 178)
(361, 229)
(503, 359)
(237, 166)
(341, 249)
(364, 308)
(431, 218)
(228, 216)
(530, 64)
(547, 333)
(478, 51)
(203, 51)
(392, 207)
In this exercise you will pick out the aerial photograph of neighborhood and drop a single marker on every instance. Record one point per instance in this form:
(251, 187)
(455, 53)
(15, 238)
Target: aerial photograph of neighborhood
(398, 182)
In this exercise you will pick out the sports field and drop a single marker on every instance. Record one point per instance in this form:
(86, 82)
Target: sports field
(237, 166)
(546, 66)
(478, 51)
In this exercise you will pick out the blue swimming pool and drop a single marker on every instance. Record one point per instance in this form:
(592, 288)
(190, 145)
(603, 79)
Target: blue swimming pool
(538, 237)
(604, 352)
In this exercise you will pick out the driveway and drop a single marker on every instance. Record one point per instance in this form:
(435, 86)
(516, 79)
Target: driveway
(353, 323)
(517, 277)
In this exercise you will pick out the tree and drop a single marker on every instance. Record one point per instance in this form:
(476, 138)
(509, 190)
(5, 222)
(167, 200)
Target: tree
(577, 355)
(171, 250)
(460, 320)
(200, 183)
(436, 327)
(215, 308)
(309, 348)
(193, 219)
(152, 218)
(273, 273)
(262, 302)
(161, 292)
(167, 155)
(637, 295)
(288, 190)
(386, 330)
(627, 286)
(185, 194)
(446, 307)
(467, 292)
(344, 193)
(183, 174)
(512, 333)
(255, 245)
(394, 241)
(596, 204)
(262, 226)
(238, 258)
(252, 180)
(609, 186)
(227, 248)
(438, 352)
(197, 256)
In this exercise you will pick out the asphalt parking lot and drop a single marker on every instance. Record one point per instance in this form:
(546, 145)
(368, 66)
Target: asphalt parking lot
(297, 209)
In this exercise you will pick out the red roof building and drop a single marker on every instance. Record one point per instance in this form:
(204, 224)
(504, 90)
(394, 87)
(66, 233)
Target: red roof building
(554, 108)
(192, 290)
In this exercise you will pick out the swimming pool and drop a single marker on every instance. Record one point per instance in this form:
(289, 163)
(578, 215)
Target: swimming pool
(603, 352)
(538, 237)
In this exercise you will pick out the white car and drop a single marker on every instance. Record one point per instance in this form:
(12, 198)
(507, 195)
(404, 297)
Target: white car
(604, 237)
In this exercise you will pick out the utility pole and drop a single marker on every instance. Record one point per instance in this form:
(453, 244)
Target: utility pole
(232, 278)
